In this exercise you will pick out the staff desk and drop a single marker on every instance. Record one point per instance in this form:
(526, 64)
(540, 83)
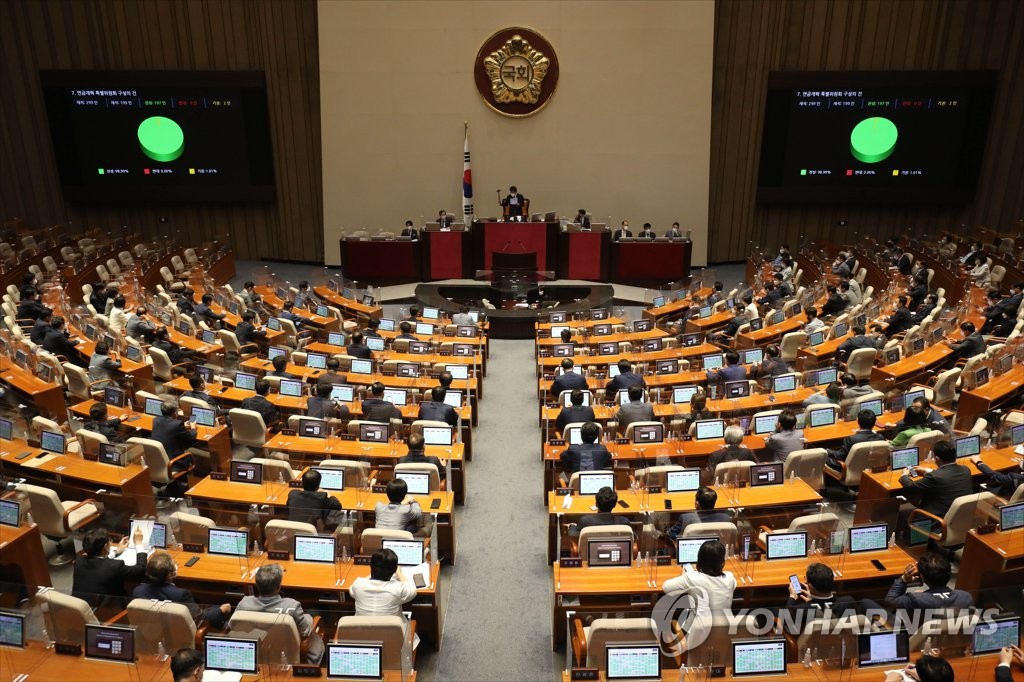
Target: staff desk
(215, 439)
(228, 502)
(36, 662)
(765, 335)
(811, 357)
(576, 324)
(877, 488)
(426, 358)
(480, 343)
(759, 583)
(127, 488)
(351, 306)
(313, 450)
(207, 350)
(327, 324)
(790, 493)
(979, 400)
(678, 353)
(673, 307)
(48, 398)
(23, 547)
(996, 559)
(423, 382)
(719, 319)
(907, 369)
(620, 337)
(140, 372)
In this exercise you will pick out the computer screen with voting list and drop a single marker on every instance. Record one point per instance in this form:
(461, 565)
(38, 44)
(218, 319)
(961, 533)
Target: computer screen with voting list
(687, 548)
(110, 643)
(453, 398)
(785, 382)
(682, 394)
(709, 429)
(904, 457)
(319, 549)
(567, 398)
(574, 436)
(12, 629)
(355, 661)
(869, 538)
(227, 541)
(874, 405)
(10, 513)
(824, 377)
(417, 483)
(437, 435)
(1011, 516)
(387, 324)
(154, 407)
(609, 552)
(231, 654)
(686, 480)
(821, 417)
(591, 482)
(632, 662)
(331, 478)
(395, 396)
(992, 635)
(290, 388)
(424, 328)
(244, 381)
(360, 366)
(203, 416)
(458, 371)
(883, 648)
(154, 533)
(343, 393)
(714, 361)
(111, 453)
(765, 423)
(6, 429)
(335, 339)
(753, 356)
(52, 442)
(318, 360)
(761, 657)
(410, 552)
(786, 545)
(968, 446)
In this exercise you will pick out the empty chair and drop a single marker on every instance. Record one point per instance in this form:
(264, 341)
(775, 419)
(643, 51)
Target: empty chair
(860, 362)
(248, 428)
(66, 616)
(276, 469)
(966, 512)
(58, 520)
(159, 623)
(589, 643)
(862, 456)
(190, 528)
(791, 343)
(162, 471)
(279, 533)
(807, 465)
(371, 538)
(391, 631)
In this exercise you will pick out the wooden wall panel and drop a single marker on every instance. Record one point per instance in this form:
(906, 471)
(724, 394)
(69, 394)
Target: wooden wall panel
(278, 37)
(753, 37)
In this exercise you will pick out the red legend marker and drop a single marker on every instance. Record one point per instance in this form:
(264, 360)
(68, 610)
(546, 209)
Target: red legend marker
(848, 171)
(146, 171)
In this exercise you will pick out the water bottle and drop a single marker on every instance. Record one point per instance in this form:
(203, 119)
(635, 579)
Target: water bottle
(172, 542)
(927, 645)
(161, 651)
(29, 520)
(253, 517)
(47, 642)
(807, 658)
(284, 662)
(892, 541)
(256, 551)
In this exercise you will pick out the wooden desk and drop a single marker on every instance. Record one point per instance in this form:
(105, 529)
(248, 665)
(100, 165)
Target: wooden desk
(576, 324)
(672, 308)
(790, 493)
(23, 547)
(719, 319)
(765, 335)
(326, 324)
(127, 489)
(979, 400)
(996, 559)
(759, 583)
(907, 369)
(811, 357)
(621, 337)
(553, 361)
(47, 398)
(35, 662)
(351, 306)
(215, 439)
(228, 503)
(319, 449)
(207, 350)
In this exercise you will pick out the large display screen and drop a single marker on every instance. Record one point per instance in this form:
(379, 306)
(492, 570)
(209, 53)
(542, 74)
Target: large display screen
(879, 137)
(160, 136)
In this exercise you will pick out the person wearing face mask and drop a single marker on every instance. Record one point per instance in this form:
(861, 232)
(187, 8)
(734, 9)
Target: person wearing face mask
(623, 231)
(444, 220)
(515, 205)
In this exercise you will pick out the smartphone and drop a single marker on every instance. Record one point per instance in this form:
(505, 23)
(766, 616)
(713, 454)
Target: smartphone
(668, 504)
(622, 503)
(417, 580)
(435, 503)
(192, 561)
(794, 582)
(878, 564)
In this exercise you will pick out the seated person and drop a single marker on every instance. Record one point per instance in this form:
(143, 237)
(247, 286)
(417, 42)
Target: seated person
(204, 313)
(772, 366)
(99, 423)
(566, 336)
(675, 232)
(752, 312)
(436, 409)
(772, 295)
(1005, 483)
(29, 308)
(581, 218)
(709, 583)
(321, 406)
(398, 514)
(386, 591)
(357, 347)
(376, 409)
(731, 371)
(100, 580)
(939, 487)
(410, 231)
(814, 322)
(175, 353)
(972, 344)
(259, 403)
(933, 419)
(626, 378)
(443, 219)
(268, 599)
(40, 327)
(741, 316)
(102, 367)
(159, 586)
(786, 439)
(372, 328)
(574, 413)
(414, 314)
(865, 433)
(312, 505)
(417, 455)
(835, 303)
(912, 424)
(859, 340)
(589, 456)
(605, 501)
(705, 500)
(818, 596)
(187, 665)
(853, 389)
(636, 410)
(59, 342)
(305, 296)
(832, 395)
(332, 375)
(732, 451)
(177, 436)
(246, 331)
(623, 231)
(934, 572)
(406, 328)
(288, 313)
(901, 320)
(197, 391)
(280, 364)
(567, 380)
(646, 232)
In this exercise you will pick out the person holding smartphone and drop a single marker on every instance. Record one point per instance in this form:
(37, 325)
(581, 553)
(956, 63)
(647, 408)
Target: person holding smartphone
(818, 595)
(176, 435)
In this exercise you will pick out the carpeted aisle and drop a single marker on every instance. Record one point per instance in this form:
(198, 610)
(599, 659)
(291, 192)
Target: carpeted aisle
(498, 622)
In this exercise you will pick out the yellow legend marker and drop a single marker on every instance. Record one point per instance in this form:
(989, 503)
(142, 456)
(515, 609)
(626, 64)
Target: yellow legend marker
(192, 171)
(895, 172)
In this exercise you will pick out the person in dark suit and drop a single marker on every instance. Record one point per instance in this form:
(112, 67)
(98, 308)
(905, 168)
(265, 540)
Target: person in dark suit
(280, 364)
(647, 232)
(835, 303)
(924, 309)
(175, 353)
(99, 423)
(30, 308)
(741, 316)
(623, 231)
(418, 456)
(589, 456)
(1008, 655)
(605, 501)
(636, 410)
(934, 571)
(626, 378)
(916, 293)
(259, 403)
(574, 413)
(436, 409)
(332, 376)
(410, 231)
(674, 232)
(372, 328)
(567, 380)
(732, 371)
(311, 505)
(515, 204)
(357, 348)
(582, 219)
(859, 340)
(772, 295)
(903, 262)
(818, 596)
(705, 500)
(176, 436)
(900, 320)
(59, 342)
(159, 586)
(772, 366)
(941, 486)
(733, 451)
(205, 313)
(376, 409)
(975, 255)
(865, 433)
(1005, 482)
(40, 327)
(246, 331)
(973, 343)
(186, 304)
(100, 580)
(443, 219)
(406, 328)
(320, 406)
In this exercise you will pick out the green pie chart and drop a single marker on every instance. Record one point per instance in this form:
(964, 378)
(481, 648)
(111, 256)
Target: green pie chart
(873, 139)
(161, 138)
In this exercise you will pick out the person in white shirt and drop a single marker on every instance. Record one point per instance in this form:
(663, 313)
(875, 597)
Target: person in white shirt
(813, 323)
(709, 586)
(118, 317)
(752, 311)
(981, 275)
(462, 317)
(386, 590)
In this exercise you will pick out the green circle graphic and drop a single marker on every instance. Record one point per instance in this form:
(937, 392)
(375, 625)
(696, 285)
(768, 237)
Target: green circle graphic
(161, 138)
(873, 139)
